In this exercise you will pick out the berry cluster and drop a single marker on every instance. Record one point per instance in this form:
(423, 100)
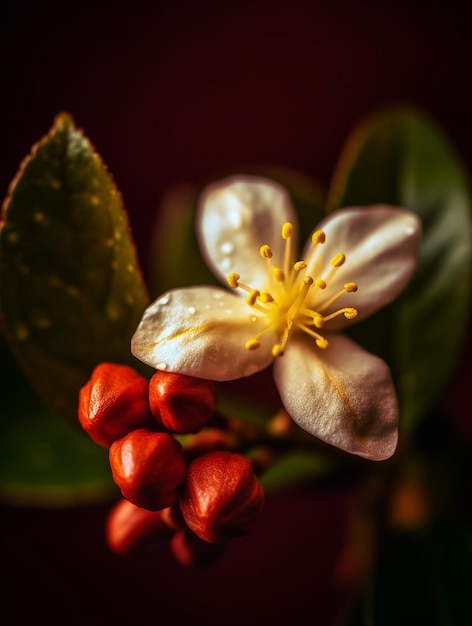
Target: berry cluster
(192, 495)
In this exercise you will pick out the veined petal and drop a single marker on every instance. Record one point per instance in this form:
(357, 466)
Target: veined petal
(381, 247)
(343, 395)
(236, 216)
(201, 331)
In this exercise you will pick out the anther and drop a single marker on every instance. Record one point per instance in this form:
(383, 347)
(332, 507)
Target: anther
(318, 320)
(287, 230)
(266, 297)
(308, 280)
(322, 343)
(233, 279)
(265, 251)
(350, 287)
(252, 297)
(277, 350)
(350, 313)
(318, 237)
(252, 344)
(338, 260)
(299, 265)
(319, 282)
(279, 274)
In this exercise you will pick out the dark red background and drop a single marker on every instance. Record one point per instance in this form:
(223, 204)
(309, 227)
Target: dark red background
(172, 92)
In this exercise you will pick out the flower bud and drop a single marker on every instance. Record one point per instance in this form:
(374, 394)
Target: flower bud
(222, 496)
(191, 551)
(148, 467)
(133, 531)
(183, 404)
(113, 402)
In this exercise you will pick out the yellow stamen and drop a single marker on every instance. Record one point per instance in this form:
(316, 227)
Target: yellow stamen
(318, 237)
(287, 306)
(252, 297)
(277, 350)
(319, 340)
(265, 252)
(348, 312)
(233, 280)
(338, 260)
(266, 297)
(287, 230)
(252, 344)
(350, 287)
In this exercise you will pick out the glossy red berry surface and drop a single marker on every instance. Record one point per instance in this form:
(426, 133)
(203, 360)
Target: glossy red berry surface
(183, 404)
(222, 496)
(113, 402)
(148, 467)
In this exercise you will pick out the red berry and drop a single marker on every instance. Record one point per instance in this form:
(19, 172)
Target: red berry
(222, 496)
(131, 530)
(114, 402)
(183, 404)
(148, 467)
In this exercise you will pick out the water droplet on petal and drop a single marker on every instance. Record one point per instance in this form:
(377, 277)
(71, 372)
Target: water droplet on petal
(162, 366)
(165, 299)
(225, 264)
(226, 247)
(217, 295)
(191, 310)
(228, 311)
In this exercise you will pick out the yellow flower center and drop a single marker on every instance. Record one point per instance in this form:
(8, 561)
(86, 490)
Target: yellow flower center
(287, 299)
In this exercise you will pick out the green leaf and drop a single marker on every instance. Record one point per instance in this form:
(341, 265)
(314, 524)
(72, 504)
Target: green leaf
(400, 157)
(296, 468)
(71, 291)
(46, 462)
(43, 460)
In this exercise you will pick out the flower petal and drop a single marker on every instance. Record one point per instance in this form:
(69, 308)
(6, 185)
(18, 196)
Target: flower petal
(236, 216)
(343, 395)
(201, 331)
(381, 246)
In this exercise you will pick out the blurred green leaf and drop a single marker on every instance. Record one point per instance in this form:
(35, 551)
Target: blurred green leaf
(296, 468)
(43, 460)
(71, 292)
(401, 157)
(175, 258)
(423, 577)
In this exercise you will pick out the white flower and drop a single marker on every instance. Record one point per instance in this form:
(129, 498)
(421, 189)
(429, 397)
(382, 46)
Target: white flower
(286, 310)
